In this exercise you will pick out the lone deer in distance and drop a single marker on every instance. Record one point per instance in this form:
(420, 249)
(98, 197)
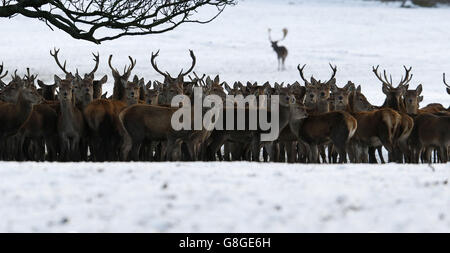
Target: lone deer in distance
(281, 51)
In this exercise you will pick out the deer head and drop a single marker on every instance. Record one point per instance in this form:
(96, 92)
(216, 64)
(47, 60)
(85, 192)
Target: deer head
(83, 89)
(214, 87)
(275, 42)
(120, 81)
(393, 94)
(132, 90)
(47, 90)
(358, 102)
(98, 86)
(151, 95)
(412, 98)
(65, 94)
(340, 96)
(317, 91)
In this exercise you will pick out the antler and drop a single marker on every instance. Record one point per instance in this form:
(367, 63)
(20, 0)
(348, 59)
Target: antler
(443, 77)
(29, 77)
(131, 67)
(193, 64)
(200, 80)
(1, 70)
(334, 72)
(63, 67)
(285, 31)
(155, 67)
(385, 81)
(97, 61)
(300, 70)
(110, 65)
(407, 78)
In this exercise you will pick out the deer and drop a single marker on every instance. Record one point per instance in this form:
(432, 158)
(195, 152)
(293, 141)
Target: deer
(289, 111)
(336, 127)
(317, 97)
(101, 115)
(71, 126)
(376, 127)
(431, 131)
(281, 51)
(40, 129)
(14, 114)
(394, 101)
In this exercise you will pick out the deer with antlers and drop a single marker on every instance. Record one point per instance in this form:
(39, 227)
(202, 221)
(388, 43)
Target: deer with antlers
(323, 127)
(281, 51)
(394, 101)
(102, 114)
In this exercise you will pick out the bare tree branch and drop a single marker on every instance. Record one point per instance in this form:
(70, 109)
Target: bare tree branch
(82, 19)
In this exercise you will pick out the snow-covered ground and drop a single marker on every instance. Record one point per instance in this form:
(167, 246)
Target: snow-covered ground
(223, 197)
(242, 197)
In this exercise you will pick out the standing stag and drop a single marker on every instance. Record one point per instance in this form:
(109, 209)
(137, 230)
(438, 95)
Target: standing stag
(395, 102)
(281, 51)
(102, 116)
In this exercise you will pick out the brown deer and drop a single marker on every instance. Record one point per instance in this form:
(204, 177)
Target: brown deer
(281, 51)
(39, 131)
(71, 126)
(394, 101)
(14, 115)
(376, 127)
(101, 116)
(317, 98)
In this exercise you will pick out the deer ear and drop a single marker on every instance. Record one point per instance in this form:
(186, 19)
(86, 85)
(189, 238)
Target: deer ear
(358, 89)
(135, 79)
(313, 80)
(349, 86)
(276, 86)
(57, 80)
(148, 85)
(419, 89)
(103, 80)
(40, 83)
(208, 80)
(227, 87)
(421, 97)
(216, 80)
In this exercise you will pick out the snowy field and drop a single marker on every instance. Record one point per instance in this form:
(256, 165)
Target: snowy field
(242, 197)
(223, 197)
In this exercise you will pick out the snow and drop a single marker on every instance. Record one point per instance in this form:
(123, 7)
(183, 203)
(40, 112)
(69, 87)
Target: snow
(241, 197)
(223, 197)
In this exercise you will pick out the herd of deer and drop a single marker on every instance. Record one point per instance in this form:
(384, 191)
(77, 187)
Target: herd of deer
(71, 120)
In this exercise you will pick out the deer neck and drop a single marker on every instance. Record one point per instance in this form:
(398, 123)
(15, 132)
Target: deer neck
(67, 109)
(23, 109)
(285, 116)
(394, 103)
(323, 106)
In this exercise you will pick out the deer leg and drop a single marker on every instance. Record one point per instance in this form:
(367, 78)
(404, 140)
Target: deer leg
(322, 153)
